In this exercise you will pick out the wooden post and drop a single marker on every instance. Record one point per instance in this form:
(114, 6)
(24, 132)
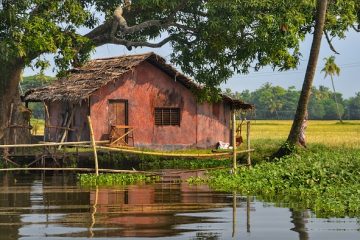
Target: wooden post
(248, 143)
(93, 144)
(67, 126)
(234, 216)
(47, 123)
(63, 126)
(234, 140)
(248, 214)
(10, 122)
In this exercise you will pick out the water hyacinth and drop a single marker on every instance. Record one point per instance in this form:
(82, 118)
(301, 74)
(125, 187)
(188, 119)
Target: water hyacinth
(112, 179)
(327, 181)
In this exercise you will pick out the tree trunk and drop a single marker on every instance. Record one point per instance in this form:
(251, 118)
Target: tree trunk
(293, 137)
(294, 134)
(14, 117)
(337, 105)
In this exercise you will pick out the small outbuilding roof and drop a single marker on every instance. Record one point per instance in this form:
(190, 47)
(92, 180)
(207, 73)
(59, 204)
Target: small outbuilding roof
(82, 82)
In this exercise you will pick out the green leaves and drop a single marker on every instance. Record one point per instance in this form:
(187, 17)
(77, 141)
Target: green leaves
(211, 39)
(31, 28)
(329, 177)
(111, 179)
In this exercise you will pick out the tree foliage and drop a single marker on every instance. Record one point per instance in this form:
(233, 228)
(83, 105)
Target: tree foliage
(211, 39)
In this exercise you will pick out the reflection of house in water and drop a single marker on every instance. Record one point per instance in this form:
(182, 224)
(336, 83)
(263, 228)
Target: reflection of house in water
(152, 210)
(65, 193)
(54, 206)
(12, 199)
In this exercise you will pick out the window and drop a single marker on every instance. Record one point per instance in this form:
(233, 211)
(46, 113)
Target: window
(167, 116)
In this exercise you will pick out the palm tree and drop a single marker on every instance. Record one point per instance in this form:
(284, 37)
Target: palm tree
(300, 115)
(331, 69)
(294, 134)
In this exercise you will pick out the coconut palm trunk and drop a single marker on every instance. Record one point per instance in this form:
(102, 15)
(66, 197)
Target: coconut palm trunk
(332, 69)
(293, 138)
(335, 98)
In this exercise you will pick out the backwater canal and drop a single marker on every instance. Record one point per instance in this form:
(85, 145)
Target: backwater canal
(54, 206)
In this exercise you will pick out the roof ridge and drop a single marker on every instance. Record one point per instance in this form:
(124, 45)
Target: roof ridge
(125, 55)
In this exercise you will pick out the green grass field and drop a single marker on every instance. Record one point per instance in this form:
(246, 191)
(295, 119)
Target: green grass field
(329, 133)
(38, 126)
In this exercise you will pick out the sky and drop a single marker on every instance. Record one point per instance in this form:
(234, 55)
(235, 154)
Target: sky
(348, 82)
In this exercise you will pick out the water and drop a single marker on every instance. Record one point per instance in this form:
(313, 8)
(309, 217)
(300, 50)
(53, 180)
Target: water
(53, 206)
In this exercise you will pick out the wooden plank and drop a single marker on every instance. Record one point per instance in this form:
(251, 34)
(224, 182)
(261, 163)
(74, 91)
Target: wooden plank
(47, 122)
(69, 122)
(63, 128)
(77, 169)
(165, 154)
(122, 137)
(93, 144)
(49, 144)
(58, 138)
(11, 114)
(123, 126)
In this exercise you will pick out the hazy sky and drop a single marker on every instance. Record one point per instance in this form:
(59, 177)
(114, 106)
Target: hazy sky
(348, 83)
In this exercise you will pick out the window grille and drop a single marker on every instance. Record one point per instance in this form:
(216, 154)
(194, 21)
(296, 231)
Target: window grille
(167, 116)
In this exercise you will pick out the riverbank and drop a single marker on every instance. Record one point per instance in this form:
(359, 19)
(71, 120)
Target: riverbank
(324, 177)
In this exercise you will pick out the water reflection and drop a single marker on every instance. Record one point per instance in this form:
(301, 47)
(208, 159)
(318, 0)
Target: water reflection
(152, 210)
(38, 206)
(299, 221)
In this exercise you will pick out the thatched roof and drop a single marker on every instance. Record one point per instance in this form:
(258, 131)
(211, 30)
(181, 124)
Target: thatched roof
(82, 82)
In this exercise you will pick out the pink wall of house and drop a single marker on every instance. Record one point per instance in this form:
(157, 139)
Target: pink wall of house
(147, 87)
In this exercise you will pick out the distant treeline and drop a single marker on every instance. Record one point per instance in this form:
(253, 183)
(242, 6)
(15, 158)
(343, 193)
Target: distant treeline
(33, 82)
(274, 102)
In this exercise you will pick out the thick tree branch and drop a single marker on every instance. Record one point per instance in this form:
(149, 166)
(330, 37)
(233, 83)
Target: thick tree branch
(100, 34)
(355, 28)
(105, 32)
(168, 21)
(153, 23)
(141, 26)
(130, 44)
(329, 42)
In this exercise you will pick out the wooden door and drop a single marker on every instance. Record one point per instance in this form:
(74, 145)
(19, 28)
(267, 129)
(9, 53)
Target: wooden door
(118, 116)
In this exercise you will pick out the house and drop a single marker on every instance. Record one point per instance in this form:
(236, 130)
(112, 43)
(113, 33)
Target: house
(138, 92)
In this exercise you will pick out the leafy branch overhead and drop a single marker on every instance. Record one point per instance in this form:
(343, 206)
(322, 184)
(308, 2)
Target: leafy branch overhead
(210, 39)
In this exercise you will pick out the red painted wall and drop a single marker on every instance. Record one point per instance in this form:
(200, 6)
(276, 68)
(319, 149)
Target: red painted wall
(147, 87)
